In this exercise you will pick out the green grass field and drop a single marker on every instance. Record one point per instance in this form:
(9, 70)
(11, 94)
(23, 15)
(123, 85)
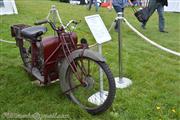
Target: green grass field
(154, 94)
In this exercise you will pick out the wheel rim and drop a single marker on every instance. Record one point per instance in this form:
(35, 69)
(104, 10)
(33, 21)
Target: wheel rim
(79, 92)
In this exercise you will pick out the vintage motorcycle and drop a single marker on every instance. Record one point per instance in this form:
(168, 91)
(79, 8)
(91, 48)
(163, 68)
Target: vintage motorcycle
(61, 57)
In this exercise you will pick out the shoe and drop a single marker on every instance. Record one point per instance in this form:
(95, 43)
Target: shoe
(163, 31)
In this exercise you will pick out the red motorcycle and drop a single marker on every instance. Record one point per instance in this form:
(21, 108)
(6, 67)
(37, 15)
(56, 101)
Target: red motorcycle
(62, 57)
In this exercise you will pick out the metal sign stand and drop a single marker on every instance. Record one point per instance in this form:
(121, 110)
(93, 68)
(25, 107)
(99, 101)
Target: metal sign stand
(99, 97)
(121, 82)
(97, 27)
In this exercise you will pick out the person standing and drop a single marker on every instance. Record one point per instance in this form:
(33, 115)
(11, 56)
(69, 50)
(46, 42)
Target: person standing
(119, 5)
(159, 6)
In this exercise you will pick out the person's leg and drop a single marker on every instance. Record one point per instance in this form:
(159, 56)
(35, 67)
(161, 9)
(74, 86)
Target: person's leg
(118, 5)
(160, 11)
(152, 7)
(118, 9)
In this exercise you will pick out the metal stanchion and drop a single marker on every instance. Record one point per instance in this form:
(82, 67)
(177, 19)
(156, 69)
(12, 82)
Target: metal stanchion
(54, 12)
(121, 82)
(99, 97)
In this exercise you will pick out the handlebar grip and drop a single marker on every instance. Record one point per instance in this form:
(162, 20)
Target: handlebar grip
(41, 22)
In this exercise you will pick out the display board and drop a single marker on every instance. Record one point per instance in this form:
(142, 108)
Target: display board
(98, 28)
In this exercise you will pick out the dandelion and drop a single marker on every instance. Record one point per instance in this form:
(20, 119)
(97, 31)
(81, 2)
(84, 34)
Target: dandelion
(173, 110)
(158, 108)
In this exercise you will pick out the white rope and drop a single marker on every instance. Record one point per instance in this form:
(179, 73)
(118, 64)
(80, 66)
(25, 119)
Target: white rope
(93, 45)
(7, 41)
(112, 25)
(150, 41)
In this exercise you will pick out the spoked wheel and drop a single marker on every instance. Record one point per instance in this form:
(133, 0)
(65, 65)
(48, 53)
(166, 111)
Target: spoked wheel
(86, 88)
(25, 51)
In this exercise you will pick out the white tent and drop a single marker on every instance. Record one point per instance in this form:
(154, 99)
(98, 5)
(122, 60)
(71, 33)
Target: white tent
(8, 7)
(173, 6)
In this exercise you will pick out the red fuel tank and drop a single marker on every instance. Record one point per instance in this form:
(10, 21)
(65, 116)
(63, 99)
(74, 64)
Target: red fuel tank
(49, 45)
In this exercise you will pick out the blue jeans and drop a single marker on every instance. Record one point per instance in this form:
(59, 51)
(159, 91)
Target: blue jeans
(119, 5)
(153, 5)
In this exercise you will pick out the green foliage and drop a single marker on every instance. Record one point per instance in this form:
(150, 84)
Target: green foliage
(154, 94)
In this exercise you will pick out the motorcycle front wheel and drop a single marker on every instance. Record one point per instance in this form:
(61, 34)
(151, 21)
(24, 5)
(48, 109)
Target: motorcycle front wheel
(91, 89)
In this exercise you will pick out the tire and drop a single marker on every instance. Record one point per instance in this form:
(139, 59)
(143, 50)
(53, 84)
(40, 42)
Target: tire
(80, 93)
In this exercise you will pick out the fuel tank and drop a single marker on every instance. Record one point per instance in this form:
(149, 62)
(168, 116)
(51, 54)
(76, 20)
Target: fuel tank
(51, 43)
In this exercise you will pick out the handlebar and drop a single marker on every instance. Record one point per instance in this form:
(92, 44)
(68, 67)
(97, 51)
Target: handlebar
(40, 22)
(72, 21)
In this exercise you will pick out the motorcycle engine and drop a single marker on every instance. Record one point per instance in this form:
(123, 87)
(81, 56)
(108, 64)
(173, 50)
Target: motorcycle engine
(40, 56)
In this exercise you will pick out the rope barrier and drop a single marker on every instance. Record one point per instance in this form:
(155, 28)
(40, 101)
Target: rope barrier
(150, 41)
(136, 31)
(7, 41)
(93, 45)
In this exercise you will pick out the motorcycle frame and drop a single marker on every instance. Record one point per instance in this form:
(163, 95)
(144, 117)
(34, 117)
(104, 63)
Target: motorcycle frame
(48, 63)
(66, 47)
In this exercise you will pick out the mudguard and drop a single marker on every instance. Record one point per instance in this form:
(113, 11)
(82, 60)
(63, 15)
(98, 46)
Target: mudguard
(63, 65)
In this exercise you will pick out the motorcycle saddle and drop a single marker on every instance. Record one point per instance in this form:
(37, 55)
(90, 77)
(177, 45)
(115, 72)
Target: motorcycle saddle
(33, 32)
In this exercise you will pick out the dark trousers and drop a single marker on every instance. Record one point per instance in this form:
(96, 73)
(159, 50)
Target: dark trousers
(153, 5)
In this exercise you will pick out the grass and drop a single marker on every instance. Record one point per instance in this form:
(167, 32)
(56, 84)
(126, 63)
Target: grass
(153, 95)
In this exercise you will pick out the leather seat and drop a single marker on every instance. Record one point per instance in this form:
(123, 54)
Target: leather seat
(33, 32)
